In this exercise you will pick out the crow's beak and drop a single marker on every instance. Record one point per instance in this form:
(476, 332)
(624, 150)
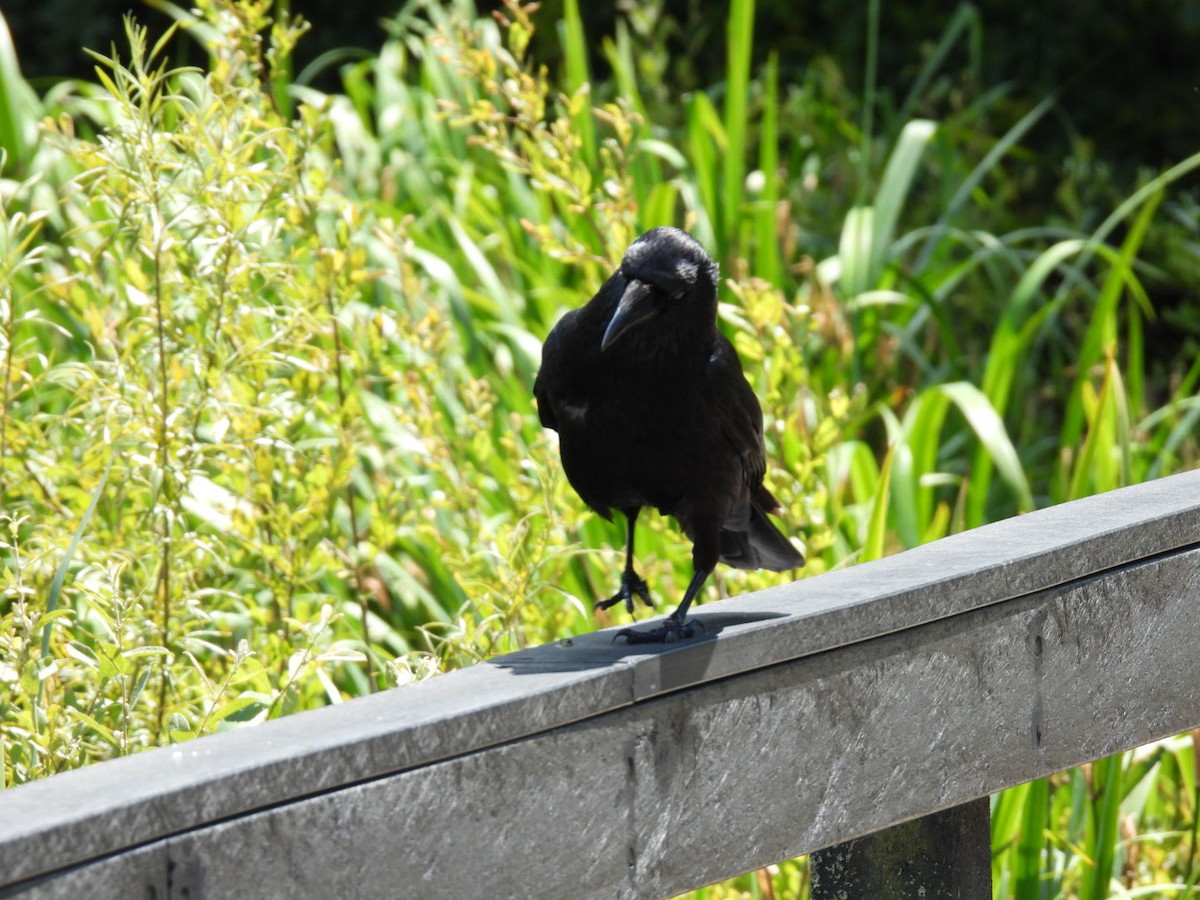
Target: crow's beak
(635, 307)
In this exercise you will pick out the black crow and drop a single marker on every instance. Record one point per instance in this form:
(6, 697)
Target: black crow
(652, 409)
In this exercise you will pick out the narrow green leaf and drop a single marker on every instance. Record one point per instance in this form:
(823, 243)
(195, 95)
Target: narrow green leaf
(104, 732)
(1107, 779)
(739, 43)
(575, 51)
(868, 232)
(1007, 811)
(893, 190)
(923, 421)
(20, 109)
(993, 437)
(659, 208)
(1104, 320)
(854, 251)
(706, 139)
(1032, 841)
(767, 261)
(873, 546)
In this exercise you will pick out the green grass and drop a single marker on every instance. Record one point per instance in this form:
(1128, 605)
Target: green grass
(266, 354)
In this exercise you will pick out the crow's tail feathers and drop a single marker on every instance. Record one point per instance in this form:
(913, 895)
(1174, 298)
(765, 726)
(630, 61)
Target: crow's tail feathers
(760, 546)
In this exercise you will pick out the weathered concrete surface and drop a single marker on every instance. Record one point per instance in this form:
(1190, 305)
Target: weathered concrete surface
(142, 873)
(691, 786)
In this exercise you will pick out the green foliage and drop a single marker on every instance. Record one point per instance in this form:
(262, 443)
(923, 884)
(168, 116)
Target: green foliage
(267, 439)
(233, 480)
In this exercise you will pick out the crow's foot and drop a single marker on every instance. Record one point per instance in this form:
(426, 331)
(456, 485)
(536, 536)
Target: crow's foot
(670, 631)
(632, 585)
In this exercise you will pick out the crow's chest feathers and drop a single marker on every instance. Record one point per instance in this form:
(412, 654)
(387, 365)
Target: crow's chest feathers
(630, 440)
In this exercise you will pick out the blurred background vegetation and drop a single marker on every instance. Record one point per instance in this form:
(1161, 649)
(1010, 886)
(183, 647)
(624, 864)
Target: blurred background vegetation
(272, 295)
(1126, 73)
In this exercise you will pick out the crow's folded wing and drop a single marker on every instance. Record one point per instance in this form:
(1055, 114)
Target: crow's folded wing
(549, 383)
(737, 410)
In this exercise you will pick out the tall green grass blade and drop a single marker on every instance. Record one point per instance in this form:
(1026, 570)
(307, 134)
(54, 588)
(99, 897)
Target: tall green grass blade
(869, 232)
(492, 299)
(647, 168)
(1103, 460)
(993, 437)
(575, 51)
(329, 60)
(1122, 426)
(903, 489)
(893, 190)
(1107, 778)
(923, 425)
(1135, 360)
(706, 138)
(1104, 321)
(854, 251)
(923, 433)
(739, 42)
(618, 50)
(20, 109)
(659, 207)
(1010, 338)
(1008, 809)
(767, 261)
(923, 428)
(1031, 844)
(875, 544)
(1009, 341)
(852, 474)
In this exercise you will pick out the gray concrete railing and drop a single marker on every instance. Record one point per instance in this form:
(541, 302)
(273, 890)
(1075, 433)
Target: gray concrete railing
(808, 716)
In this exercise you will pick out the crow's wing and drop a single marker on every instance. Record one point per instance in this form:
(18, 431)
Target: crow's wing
(551, 375)
(737, 411)
(749, 540)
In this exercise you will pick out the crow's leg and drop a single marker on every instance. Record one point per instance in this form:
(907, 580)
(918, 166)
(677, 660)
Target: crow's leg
(632, 584)
(675, 626)
(705, 553)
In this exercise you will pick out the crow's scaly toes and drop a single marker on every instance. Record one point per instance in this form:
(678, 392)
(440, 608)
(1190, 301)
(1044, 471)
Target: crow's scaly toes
(632, 586)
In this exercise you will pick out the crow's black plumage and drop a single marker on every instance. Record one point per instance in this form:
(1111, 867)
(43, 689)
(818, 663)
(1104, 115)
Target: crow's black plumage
(652, 409)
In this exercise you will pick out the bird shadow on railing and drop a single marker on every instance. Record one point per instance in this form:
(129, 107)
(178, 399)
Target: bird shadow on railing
(601, 649)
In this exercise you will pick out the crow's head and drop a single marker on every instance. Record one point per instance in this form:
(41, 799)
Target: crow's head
(664, 269)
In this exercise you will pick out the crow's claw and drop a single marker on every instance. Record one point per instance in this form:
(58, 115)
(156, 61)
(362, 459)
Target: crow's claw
(632, 585)
(670, 631)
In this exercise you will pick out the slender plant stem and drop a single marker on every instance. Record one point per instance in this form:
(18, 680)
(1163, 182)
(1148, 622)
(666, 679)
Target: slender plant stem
(351, 497)
(163, 581)
(9, 330)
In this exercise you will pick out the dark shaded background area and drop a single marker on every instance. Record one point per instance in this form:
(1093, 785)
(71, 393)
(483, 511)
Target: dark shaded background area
(1128, 71)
